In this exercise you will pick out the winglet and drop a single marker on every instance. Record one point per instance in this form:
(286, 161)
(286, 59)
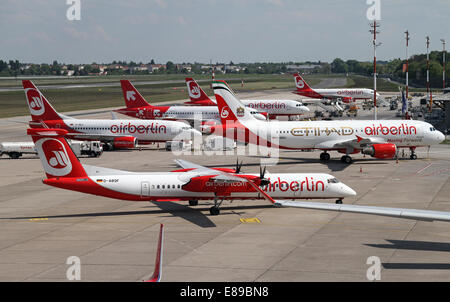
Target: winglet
(156, 277)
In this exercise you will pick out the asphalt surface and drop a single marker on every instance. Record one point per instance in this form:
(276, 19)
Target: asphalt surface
(115, 240)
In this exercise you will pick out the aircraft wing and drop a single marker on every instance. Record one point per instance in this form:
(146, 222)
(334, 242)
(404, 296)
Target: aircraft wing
(357, 143)
(425, 215)
(199, 170)
(97, 137)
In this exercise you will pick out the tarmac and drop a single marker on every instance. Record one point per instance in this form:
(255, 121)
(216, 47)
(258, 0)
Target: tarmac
(41, 226)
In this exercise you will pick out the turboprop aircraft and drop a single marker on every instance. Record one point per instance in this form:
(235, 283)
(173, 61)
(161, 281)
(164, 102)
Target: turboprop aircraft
(273, 108)
(116, 133)
(192, 182)
(377, 138)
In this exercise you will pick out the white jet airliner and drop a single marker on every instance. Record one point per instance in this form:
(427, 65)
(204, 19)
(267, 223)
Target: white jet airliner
(377, 138)
(346, 95)
(273, 108)
(138, 107)
(116, 134)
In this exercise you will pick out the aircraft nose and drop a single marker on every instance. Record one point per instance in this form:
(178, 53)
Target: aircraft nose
(440, 136)
(348, 191)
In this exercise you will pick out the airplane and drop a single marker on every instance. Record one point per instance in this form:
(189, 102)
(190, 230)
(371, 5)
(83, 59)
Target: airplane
(346, 95)
(273, 108)
(138, 107)
(191, 183)
(115, 134)
(377, 138)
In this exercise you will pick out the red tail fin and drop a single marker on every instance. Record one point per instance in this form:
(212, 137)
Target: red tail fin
(300, 83)
(196, 93)
(40, 108)
(55, 153)
(156, 277)
(133, 99)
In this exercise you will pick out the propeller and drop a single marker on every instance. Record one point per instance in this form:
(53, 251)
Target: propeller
(262, 173)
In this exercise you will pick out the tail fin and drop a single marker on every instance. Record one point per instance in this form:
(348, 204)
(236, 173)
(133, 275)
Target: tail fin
(55, 153)
(230, 108)
(156, 277)
(300, 83)
(133, 99)
(40, 108)
(196, 93)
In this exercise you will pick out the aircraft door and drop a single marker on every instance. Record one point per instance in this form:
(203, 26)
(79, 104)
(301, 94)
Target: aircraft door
(145, 188)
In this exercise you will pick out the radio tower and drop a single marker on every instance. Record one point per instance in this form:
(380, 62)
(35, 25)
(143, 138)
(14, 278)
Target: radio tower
(374, 31)
(407, 77)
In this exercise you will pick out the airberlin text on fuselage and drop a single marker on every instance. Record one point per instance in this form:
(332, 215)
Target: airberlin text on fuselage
(141, 129)
(306, 185)
(380, 129)
(261, 105)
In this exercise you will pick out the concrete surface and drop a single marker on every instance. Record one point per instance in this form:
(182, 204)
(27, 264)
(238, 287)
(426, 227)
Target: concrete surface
(116, 240)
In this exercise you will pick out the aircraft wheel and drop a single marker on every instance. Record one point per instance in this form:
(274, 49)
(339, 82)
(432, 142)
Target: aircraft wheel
(214, 211)
(325, 156)
(413, 156)
(346, 159)
(339, 201)
(193, 203)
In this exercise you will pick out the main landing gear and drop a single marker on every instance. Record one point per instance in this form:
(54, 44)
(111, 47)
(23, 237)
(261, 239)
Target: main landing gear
(193, 203)
(413, 155)
(346, 159)
(339, 201)
(214, 210)
(324, 156)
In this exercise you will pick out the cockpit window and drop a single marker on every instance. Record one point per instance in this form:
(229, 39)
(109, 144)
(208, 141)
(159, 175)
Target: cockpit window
(333, 181)
(432, 129)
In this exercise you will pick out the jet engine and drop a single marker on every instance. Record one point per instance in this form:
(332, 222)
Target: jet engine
(381, 150)
(124, 142)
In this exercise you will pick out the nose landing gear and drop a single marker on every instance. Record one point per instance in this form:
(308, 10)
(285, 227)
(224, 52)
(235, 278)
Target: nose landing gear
(214, 210)
(413, 155)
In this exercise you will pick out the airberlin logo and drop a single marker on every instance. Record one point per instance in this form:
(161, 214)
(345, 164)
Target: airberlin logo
(140, 129)
(35, 102)
(54, 157)
(299, 82)
(130, 95)
(225, 112)
(194, 90)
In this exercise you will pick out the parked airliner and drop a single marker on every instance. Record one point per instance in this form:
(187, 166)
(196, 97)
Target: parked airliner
(273, 108)
(117, 133)
(377, 138)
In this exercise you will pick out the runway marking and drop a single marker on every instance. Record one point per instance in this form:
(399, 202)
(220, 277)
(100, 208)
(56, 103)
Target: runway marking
(250, 220)
(38, 219)
(423, 169)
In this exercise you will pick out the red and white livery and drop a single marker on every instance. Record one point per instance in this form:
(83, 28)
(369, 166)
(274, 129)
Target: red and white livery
(377, 138)
(273, 108)
(118, 134)
(138, 107)
(346, 95)
(65, 171)
(191, 183)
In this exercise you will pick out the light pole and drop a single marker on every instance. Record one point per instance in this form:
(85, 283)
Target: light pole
(374, 31)
(443, 63)
(407, 77)
(428, 65)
